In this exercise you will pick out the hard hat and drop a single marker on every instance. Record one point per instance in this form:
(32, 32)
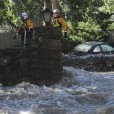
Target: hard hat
(56, 11)
(24, 15)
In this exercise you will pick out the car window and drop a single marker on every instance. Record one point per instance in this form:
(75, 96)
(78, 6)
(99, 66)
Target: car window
(82, 47)
(106, 48)
(97, 49)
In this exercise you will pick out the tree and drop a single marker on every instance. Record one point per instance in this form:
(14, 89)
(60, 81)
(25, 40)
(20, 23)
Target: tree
(88, 24)
(55, 4)
(51, 4)
(86, 16)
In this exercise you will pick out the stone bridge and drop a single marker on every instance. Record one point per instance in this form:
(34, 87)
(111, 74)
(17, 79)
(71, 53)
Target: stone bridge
(39, 64)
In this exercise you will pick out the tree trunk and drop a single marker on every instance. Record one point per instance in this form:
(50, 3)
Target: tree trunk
(55, 4)
(51, 4)
(47, 4)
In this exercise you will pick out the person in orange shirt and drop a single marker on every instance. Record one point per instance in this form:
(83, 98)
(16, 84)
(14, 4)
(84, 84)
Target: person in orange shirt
(58, 21)
(25, 30)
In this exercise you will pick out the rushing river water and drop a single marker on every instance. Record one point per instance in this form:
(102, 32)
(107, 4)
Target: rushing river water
(78, 92)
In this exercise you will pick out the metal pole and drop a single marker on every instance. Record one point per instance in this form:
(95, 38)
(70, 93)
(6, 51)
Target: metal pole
(24, 37)
(5, 39)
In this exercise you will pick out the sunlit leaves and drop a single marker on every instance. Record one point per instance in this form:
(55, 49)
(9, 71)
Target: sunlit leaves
(11, 9)
(89, 15)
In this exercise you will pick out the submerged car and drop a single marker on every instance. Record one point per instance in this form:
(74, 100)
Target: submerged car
(93, 47)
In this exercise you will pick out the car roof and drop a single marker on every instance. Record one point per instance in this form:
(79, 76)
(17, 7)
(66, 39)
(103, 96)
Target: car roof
(93, 43)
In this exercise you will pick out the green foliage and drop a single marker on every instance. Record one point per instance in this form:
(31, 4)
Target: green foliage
(2, 5)
(91, 18)
(68, 44)
(11, 9)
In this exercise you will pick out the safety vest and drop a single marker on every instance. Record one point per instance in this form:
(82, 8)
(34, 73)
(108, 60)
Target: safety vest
(26, 24)
(59, 22)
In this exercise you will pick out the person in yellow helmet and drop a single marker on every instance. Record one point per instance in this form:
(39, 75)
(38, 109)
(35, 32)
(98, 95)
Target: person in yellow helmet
(57, 20)
(25, 30)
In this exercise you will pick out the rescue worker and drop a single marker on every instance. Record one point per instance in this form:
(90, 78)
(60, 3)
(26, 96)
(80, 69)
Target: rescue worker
(57, 20)
(25, 30)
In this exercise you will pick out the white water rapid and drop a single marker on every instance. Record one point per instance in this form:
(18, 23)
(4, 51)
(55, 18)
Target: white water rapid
(78, 92)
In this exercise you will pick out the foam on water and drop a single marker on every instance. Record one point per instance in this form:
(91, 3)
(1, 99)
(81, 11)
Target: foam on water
(78, 92)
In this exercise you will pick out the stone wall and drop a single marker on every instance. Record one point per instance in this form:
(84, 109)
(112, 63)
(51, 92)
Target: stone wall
(39, 64)
(7, 40)
(92, 63)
